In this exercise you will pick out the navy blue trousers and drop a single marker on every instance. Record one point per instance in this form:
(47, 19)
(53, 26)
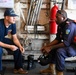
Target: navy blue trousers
(57, 56)
(18, 58)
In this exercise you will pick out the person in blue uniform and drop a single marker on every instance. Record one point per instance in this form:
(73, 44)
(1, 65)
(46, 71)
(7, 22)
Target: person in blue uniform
(9, 40)
(62, 46)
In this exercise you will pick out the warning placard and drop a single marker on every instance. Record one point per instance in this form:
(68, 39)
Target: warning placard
(6, 3)
(72, 4)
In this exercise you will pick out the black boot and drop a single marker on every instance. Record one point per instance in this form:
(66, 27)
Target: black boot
(30, 62)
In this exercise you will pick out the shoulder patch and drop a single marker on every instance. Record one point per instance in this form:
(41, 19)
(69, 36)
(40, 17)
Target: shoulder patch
(67, 31)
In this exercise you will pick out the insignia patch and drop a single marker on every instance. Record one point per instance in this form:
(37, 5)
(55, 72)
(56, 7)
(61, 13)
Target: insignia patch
(67, 31)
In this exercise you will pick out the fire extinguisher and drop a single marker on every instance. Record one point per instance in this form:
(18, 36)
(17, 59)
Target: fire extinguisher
(53, 25)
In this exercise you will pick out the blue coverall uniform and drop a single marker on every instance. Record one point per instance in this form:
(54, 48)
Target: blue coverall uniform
(4, 37)
(66, 33)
